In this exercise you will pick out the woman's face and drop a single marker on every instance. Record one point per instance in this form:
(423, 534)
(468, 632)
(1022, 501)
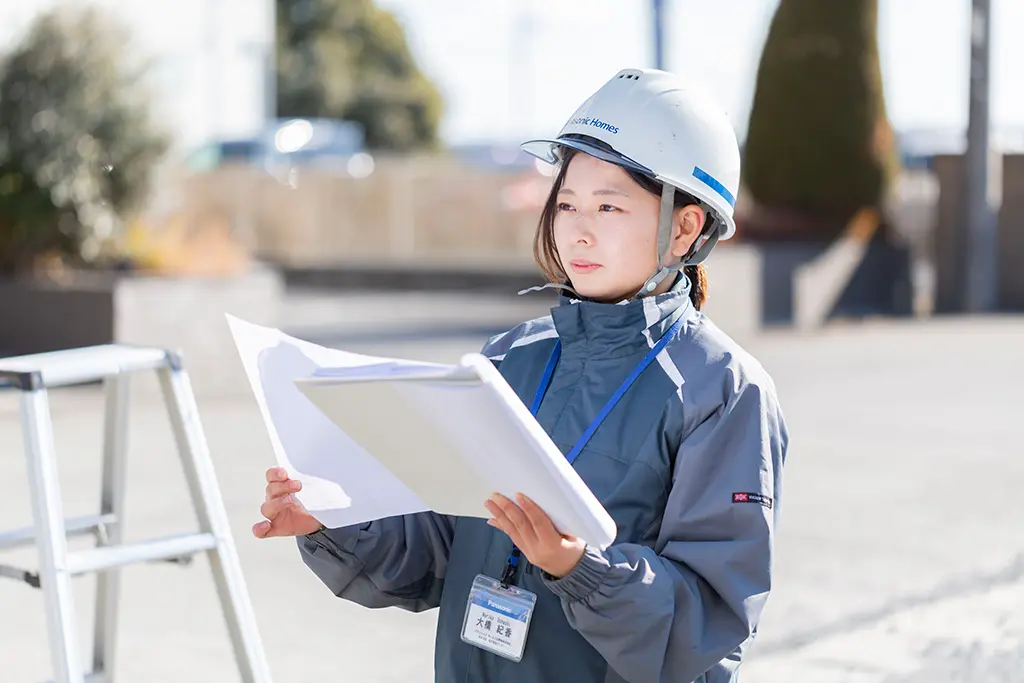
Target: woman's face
(606, 230)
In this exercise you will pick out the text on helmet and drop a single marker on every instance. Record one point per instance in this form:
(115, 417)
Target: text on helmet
(596, 123)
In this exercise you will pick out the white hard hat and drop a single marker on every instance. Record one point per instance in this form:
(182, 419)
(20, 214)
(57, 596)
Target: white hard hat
(665, 127)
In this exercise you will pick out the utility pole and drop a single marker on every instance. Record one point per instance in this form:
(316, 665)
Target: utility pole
(270, 63)
(522, 30)
(982, 240)
(658, 15)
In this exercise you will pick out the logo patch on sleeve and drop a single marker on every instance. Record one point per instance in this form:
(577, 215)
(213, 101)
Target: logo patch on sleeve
(752, 498)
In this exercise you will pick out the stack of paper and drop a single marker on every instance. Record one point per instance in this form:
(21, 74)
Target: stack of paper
(376, 437)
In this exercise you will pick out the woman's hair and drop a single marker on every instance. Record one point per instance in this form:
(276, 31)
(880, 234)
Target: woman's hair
(545, 252)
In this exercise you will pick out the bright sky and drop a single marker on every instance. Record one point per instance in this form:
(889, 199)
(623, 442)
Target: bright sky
(511, 69)
(207, 56)
(567, 48)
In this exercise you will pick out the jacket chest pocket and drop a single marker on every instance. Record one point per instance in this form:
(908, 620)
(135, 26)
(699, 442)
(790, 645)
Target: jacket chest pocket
(633, 493)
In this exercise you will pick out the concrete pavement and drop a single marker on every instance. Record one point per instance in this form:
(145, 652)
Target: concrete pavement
(901, 552)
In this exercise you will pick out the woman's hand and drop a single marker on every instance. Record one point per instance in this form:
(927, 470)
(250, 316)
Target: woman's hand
(535, 535)
(285, 514)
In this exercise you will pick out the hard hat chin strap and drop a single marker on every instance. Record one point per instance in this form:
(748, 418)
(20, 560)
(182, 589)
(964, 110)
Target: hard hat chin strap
(668, 205)
(698, 252)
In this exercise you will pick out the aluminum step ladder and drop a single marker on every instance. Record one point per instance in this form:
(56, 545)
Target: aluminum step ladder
(113, 364)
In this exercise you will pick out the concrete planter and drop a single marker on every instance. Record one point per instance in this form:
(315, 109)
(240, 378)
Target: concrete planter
(794, 276)
(183, 313)
(806, 283)
(813, 269)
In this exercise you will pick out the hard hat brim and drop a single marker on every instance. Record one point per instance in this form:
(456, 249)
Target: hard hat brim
(547, 150)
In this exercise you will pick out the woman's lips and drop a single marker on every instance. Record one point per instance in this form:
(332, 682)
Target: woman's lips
(584, 266)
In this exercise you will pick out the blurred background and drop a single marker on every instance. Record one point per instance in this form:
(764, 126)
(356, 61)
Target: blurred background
(348, 171)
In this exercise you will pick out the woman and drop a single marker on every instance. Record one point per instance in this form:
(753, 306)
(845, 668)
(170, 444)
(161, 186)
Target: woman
(673, 426)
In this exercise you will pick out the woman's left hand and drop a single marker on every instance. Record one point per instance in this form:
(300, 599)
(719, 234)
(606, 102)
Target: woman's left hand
(535, 535)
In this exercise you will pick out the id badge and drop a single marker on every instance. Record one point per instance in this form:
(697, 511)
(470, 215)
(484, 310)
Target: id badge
(498, 618)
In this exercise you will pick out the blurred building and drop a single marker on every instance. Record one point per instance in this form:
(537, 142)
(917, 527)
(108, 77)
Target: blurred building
(211, 60)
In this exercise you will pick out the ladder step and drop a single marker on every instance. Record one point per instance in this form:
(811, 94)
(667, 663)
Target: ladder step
(78, 366)
(76, 526)
(100, 559)
(20, 575)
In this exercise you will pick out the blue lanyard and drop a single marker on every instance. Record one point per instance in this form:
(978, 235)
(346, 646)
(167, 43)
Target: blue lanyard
(545, 382)
(549, 371)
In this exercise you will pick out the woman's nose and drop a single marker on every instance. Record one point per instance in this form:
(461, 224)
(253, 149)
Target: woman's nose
(583, 227)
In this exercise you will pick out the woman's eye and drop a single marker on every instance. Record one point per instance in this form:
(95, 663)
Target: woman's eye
(562, 206)
(608, 207)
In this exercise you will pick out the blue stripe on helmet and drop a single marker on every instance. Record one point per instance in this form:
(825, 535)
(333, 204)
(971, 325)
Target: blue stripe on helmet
(713, 183)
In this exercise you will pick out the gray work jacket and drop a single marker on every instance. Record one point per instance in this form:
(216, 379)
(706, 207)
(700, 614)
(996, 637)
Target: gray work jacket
(689, 464)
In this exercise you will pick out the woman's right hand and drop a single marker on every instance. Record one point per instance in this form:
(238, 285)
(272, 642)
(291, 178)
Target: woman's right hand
(285, 515)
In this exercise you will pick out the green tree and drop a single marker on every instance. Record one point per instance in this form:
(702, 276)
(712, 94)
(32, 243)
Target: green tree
(349, 59)
(819, 141)
(76, 143)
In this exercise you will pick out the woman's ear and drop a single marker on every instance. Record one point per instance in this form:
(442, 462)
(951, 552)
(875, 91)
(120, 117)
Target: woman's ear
(686, 228)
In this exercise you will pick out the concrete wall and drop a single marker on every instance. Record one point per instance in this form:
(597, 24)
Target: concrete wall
(408, 210)
(183, 314)
(41, 316)
(187, 314)
(734, 288)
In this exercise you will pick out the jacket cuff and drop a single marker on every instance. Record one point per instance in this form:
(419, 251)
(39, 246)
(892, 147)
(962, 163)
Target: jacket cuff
(338, 542)
(584, 579)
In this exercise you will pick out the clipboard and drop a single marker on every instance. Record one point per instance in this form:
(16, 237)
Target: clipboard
(454, 435)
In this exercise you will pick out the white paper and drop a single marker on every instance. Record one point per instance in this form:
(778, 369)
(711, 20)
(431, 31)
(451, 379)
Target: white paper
(341, 483)
(442, 437)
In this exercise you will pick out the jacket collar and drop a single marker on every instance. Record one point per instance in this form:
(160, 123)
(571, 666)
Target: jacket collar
(607, 330)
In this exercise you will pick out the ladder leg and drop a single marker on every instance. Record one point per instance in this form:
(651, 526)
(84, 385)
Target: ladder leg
(115, 444)
(205, 492)
(51, 540)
